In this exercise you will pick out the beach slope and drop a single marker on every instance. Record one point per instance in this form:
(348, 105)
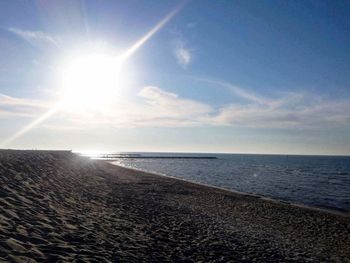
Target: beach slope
(57, 206)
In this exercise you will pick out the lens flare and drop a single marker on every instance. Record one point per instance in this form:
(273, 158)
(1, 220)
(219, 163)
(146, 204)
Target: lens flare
(89, 81)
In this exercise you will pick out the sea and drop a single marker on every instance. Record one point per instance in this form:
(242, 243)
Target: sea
(318, 181)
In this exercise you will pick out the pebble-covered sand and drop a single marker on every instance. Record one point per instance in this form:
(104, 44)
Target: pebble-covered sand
(59, 207)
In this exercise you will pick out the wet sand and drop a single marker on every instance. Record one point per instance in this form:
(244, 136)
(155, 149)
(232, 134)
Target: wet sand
(57, 206)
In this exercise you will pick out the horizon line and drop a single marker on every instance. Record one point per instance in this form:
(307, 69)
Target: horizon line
(177, 152)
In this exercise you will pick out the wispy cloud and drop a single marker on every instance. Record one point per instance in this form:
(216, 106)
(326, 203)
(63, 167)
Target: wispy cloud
(240, 92)
(182, 53)
(290, 111)
(157, 107)
(191, 25)
(161, 104)
(8, 100)
(19, 107)
(183, 56)
(160, 108)
(37, 39)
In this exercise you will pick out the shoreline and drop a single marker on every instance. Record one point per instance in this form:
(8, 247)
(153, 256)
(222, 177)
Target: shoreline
(269, 199)
(58, 206)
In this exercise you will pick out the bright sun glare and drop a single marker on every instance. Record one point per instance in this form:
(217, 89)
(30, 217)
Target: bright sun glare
(91, 81)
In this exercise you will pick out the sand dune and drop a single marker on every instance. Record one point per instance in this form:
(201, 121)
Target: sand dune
(57, 206)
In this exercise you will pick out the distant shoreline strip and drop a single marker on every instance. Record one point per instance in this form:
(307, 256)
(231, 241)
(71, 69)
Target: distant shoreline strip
(152, 157)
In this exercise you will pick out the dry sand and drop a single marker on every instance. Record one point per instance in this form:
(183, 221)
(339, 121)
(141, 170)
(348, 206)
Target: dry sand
(57, 206)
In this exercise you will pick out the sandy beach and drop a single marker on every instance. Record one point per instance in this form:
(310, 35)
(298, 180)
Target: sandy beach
(58, 206)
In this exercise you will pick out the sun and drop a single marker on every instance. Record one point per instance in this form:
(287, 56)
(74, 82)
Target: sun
(90, 81)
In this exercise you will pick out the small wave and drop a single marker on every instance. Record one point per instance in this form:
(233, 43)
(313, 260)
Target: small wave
(342, 173)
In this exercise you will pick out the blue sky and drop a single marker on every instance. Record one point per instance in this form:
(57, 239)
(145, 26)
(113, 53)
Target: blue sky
(217, 76)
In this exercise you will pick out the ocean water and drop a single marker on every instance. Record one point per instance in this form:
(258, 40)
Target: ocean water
(320, 181)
